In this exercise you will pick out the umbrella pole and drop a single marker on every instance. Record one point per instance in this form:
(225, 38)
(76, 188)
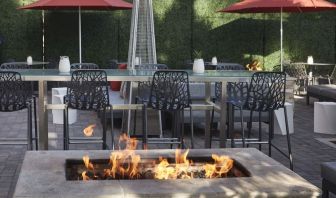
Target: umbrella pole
(80, 33)
(281, 35)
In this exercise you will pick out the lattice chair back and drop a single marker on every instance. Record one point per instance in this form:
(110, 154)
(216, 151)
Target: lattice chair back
(14, 65)
(170, 91)
(14, 93)
(237, 92)
(88, 90)
(226, 67)
(296, 70)
(84, 66)
(144, 87)
(266, 91)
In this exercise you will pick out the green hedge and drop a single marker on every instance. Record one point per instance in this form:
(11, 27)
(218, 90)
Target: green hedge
(181, 26)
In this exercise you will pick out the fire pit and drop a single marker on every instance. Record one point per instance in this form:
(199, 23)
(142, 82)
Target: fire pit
(47, 174)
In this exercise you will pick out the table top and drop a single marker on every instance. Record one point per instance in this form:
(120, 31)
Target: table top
(135, 75)
(34, 63)
(314, 64)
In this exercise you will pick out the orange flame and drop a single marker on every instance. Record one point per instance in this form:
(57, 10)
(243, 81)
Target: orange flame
(88, 131)
(126, 164)
(222, 165)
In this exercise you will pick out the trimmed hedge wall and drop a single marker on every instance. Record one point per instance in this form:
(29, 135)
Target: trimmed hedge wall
(181, 27)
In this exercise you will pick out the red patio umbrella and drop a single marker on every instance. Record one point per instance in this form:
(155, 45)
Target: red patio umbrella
(80, 5)
(273, 6)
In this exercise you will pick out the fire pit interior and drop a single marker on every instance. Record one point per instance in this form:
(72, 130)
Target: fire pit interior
(146, 169)
(125, 164)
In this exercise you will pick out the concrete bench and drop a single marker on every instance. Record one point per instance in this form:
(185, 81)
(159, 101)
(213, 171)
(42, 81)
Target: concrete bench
(328, 173)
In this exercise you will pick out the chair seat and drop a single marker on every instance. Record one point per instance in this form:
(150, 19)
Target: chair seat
(328, 91)
(328, 171)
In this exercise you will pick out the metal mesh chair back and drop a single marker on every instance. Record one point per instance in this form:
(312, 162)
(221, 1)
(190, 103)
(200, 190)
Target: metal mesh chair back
(266, 91)
(296, 70)
(14, 65)
(170, 90)
(14, 93)
(144, 87)
(88, 90)
(84, 66)
(226, 67)
(237, 92)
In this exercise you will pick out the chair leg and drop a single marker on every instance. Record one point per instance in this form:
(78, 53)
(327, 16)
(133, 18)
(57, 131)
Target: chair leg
(231, 123)
(144, 126)
(288, 140)
(192, 129)
(260, 137)
(66, 125)
(325, 191)
(249, 126)
(174, 129)
(160, 124)
(135, 117)
(242, 125)
(211, 124)
(30, 129)
(112, 127)
(270, 131)
(104, 146)
(182, 145)
(35, 123)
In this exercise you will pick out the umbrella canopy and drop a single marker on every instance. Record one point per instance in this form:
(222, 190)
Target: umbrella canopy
(83, 4)
(80, 5)
(273, 6)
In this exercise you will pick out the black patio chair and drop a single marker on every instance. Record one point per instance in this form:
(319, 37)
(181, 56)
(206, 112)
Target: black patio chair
(15, 65)
(15, 95)
(169, 92)
(84, 66)
(143, 90)
(265, 94)
(87, 90)
(218, 91)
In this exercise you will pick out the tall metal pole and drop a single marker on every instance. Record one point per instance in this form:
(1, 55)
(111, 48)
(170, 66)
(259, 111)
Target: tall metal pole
(43, 32)
(281, 35)
(80, 33)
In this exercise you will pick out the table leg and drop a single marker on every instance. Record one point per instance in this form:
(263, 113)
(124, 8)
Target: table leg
(43, 115)
(207, 116)
(223, 107)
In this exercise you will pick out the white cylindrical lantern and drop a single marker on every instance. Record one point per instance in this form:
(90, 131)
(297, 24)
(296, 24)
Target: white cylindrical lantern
(64, 64)
(214, 60)
(198, 66)
(29, 60)
(310, 60)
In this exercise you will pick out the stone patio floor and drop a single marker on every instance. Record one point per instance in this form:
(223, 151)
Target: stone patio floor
(308, 152)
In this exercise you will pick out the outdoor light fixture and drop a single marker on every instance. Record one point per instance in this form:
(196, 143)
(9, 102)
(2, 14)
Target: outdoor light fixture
(310, 60)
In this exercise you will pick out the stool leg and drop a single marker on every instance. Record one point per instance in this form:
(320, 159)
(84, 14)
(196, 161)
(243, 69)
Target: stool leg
(104, 129)
(135, 117)
(325, 191)
(35, 123)
(288, 139)
(242, 125)
(270, 132)
(29, 125)
(144, 126)
(260, 138)
(192, 128)
(249, 125)
(112, 127)
(160, 124)
(66, 123)
(231, 123)
(211, 124)
(182, 129)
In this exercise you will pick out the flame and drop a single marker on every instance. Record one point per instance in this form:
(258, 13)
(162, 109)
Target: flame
(87, 163)
(222, 166)
(85, 178)
(88, 131)
(126, 164)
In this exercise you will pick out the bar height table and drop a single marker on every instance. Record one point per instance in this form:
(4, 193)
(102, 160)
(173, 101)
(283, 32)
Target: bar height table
(43, 76)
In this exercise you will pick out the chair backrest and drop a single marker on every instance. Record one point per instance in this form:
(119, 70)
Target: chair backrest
(14, 65)
(84, 66)
(88, 90)
(296, 70)
(267, 91)
(14, 93)
(225, 67)
(170, 90)
(144, 87)
(151, 66)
